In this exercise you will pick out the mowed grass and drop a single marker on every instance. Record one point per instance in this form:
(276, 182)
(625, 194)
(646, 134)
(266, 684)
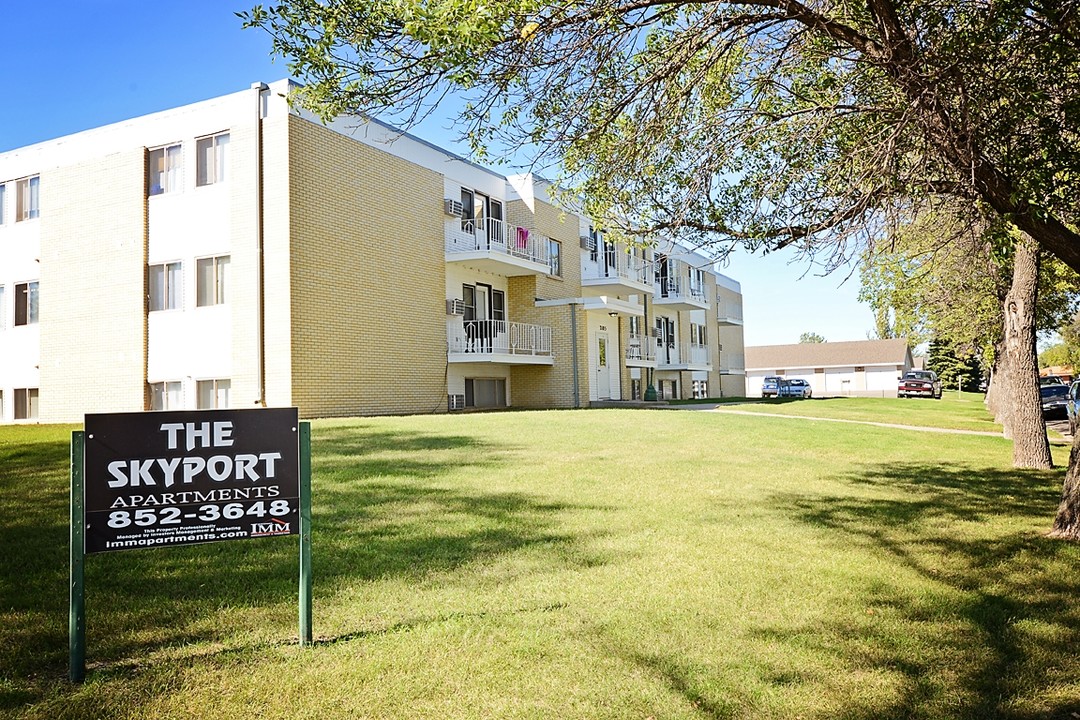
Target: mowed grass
(965, 411)
(587, 564)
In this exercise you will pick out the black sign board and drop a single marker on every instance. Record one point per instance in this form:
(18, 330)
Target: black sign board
(160, 479)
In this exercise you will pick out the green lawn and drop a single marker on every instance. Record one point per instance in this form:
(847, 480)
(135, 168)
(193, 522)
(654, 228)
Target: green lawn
(963, 412)
(588, 564)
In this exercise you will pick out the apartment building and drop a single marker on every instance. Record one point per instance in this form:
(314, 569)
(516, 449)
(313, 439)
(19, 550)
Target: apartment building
(236, 253)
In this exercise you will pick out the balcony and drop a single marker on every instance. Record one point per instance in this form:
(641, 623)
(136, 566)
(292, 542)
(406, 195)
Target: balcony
(682, 356)
(732, 363)
(641, 351)
(498, 341)
(618, 272)
(676, 293)
(497, 247)
(728, 313)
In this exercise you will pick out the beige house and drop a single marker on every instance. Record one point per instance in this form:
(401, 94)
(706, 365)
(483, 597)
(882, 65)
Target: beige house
(863, 367)
(236, 253)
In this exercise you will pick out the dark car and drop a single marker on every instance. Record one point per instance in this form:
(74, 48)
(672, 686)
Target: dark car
(770, 386)
(1055, 399)
(919, 383)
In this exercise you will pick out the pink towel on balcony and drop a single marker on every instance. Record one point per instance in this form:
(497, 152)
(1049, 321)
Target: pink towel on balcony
(522, 238)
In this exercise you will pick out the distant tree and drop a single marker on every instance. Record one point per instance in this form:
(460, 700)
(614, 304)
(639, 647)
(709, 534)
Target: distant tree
(811, 337)
(953, 368)
(1058, 355)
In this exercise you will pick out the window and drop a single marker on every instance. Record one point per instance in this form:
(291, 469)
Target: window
(697, 283)
(26, 303)
(210, 159)
(212, 280)
(3, 313)
(164, 170)
(498, 305)
(167, 395)
(3, 195)
(697, 334)
(26, 403)
(554, 259)
(26, 198)
(595, 238)
(166, 284)
(213, 394)
(485, 392)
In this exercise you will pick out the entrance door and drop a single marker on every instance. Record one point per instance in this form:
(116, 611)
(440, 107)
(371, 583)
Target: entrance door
(603, 372)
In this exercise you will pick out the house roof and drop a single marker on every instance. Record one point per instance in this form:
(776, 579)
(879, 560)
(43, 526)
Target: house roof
(828, 354)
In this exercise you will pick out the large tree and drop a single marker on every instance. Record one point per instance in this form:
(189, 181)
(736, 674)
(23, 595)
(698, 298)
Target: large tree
(766, 123)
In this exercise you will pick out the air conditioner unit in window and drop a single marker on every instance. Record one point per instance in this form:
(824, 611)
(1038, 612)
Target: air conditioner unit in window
(455, 402)
(452, 207)
(455, 307)
(587, 243)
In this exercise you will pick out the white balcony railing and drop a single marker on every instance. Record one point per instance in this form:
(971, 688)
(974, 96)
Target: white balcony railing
(641, 348)
(620, 265)
(728, 311)
(471, 235)
(732, 362)
(499, 337)
(682, 354)
(677, 288)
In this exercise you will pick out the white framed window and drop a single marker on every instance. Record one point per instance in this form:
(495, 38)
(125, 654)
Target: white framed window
(26, 403)
(167, 395)
(697, 334)
(210, 156)
(3, 197)
(212, 280)
(26, 303)
(27, 196)
(166, 286)
(555, 257)
(213, 394)
(164, 166)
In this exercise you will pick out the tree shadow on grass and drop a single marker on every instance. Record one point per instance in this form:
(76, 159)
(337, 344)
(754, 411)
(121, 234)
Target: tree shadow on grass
(377, 513)
(996, 635)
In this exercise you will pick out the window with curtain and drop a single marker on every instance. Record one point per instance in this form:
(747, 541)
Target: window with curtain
(166, 282)
(26, 303)
(210, 159)
(164, 166)
(27, 193)
(212, 280)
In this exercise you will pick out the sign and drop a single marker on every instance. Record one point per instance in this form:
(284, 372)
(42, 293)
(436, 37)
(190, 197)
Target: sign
(162, 479)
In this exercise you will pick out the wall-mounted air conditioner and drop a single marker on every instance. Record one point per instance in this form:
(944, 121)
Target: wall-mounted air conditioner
(453, 207)
(455, 307)
(587, 243)
(455, 402)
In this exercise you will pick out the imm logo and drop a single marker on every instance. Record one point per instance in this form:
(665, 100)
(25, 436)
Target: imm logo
(274, 527)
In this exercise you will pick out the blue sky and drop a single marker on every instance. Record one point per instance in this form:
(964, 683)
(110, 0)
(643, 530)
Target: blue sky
(85, 63)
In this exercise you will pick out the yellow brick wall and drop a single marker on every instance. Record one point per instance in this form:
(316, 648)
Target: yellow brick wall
(93, 287)
(550, 386)
(367, 278)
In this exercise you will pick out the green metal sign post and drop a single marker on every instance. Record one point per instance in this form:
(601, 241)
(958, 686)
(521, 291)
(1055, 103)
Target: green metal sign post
(76, 605)
(305, 534)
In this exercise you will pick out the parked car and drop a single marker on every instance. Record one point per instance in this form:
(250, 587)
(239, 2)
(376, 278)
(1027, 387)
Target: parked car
(795, 387)
(1055, 400)
(770, 386)
(919, 383)
(1072, 407)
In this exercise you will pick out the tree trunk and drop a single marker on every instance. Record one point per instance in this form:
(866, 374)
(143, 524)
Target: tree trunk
(1031, 448)
(1067, 522)
(999, 393)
